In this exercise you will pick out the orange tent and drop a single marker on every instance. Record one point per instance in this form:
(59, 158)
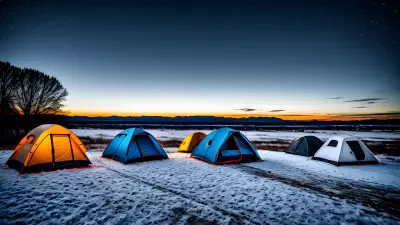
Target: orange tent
(48, 147)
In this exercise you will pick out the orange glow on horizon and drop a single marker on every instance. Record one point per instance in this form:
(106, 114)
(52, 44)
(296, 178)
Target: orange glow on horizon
(301, 117)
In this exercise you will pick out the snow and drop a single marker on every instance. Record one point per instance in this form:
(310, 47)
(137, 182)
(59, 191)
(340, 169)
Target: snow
(183, 190)
(322, 134)
(167, 134)
(160, 134)
(294, 165)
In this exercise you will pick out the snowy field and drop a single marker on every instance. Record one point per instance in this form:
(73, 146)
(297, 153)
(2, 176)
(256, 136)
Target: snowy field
(281, 189)
(171, 134)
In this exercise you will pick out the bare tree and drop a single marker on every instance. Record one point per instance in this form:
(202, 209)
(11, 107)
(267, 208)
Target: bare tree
(39, 94)
(8, 85)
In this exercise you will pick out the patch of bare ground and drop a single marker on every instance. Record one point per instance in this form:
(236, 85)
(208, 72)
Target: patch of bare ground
(384, 147)
(89, 140)
(273, 145)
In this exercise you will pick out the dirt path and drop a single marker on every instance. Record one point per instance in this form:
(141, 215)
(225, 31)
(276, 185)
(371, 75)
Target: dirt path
(238, 218)
(382, 199)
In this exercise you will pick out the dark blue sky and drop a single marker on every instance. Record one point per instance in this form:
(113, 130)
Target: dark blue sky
(202, 57)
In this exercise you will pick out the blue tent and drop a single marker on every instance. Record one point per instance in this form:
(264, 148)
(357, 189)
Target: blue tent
(134, 144)
(225, 145)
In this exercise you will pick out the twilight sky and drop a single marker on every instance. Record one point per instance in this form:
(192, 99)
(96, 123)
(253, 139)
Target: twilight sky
(335, 59)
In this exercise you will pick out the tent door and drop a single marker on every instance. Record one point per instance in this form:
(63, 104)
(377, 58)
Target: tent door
(146, 146)
(195, 143)
(230, 150)
(356, 149)
(61, 148)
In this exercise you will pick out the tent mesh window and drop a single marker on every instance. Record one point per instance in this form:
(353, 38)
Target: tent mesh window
(333, 143)
(62, 148)
(357, 150)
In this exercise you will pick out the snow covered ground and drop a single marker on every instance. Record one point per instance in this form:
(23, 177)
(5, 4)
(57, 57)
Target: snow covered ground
(168, 134)
(281, 189)
(381, 174)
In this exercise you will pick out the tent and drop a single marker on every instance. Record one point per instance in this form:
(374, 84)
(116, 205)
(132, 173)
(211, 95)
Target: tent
(48, 147)
(191, 142)
(306, 146)
(345, 151)
(225, 145)
(134, 144)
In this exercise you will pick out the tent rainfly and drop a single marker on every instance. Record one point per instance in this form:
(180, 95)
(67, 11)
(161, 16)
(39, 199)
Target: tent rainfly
(345, 151)
(48, 147)
(134, 144)
(225, 145)
(306, 146)
(191, 142)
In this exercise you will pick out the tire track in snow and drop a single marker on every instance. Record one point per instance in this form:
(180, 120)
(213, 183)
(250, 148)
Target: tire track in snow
(239, 218)
(369, 196)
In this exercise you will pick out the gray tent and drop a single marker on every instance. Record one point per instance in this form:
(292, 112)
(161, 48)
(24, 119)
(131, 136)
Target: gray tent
(307, 146)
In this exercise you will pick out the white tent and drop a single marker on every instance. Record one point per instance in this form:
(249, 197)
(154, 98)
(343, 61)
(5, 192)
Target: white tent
(345, 151)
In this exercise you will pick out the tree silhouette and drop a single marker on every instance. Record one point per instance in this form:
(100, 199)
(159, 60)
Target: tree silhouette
(39, 94)
(8, 84)
(28, 98)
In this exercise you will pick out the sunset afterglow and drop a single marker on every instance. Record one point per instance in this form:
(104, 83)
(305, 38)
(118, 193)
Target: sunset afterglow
(130, 58)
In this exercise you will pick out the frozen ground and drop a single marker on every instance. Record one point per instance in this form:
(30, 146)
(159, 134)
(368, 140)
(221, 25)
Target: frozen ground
(381, 174)
(282, 189)
(168, 134)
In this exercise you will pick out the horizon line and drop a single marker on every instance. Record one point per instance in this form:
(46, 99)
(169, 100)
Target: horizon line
(290, 117)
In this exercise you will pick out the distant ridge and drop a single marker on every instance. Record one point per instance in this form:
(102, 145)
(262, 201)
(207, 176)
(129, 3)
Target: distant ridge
(177, 119)
(210, 120)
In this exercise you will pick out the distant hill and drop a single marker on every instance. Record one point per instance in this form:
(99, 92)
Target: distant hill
(212, 122)
(175, 120)
(184, 120)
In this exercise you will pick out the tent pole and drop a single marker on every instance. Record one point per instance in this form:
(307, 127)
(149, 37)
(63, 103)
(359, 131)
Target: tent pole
(52, 149)
(70, 144)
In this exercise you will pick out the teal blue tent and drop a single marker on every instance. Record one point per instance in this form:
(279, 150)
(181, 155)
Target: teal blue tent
(134, 144)
(225, 145)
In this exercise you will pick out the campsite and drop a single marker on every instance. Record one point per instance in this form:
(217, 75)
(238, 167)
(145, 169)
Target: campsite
(279, 188)
(214, 112)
